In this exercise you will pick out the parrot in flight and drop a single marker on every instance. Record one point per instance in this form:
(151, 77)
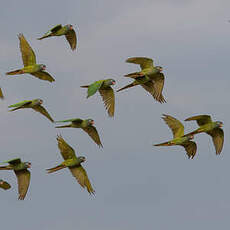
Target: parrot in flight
(106, 92)
(72, 162)
(60, 30)
(29, 61)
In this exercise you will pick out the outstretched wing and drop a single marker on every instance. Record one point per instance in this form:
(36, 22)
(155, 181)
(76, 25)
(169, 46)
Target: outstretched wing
(201, 119)
(56, 28)
(66, 150)
(80, 174)
(72, 39)
(142, 61)
(108, 99)
(175, 125)
(23, 177)
(92, 132)
(93, 88)
(149, 86)
(15, 161)
(190, 148)
(43, 111)
(1, 94)
(28, 55)
(158, 84)
(43, 76)
(217, 135)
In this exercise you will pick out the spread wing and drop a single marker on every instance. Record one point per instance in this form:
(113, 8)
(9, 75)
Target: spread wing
(109, 100)
(93, 88)
(92, 132)
(201, 119)
(142, 61)
(72, 39)
(4, 185)
(80, 174)
(217, 135)
(190, 148)
(158, 84)
(28, 55)
(56, 28)
(15, 161)
(149, 86)
(23, 177)
(1, 94)
(43, 111)
(43, 76)
(66, 150)
(175, 125)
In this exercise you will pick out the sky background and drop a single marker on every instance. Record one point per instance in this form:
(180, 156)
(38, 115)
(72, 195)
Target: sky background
(138, 186)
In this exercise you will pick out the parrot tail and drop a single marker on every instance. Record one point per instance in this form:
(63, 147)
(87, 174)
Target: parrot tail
(126, 87)
(45, 36)
(63, 126)
(18, 71)
(84, 86)
(5, 168)
(134, 75)
(164, 144)
(15, 109)
(59, 167)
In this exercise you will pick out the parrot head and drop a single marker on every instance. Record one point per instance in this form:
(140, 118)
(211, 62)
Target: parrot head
(190, 137)
(42, 67)
(110, 82)
(28, 164)
(69, 26)
(159, 68)
(1, 182)
(82, 159)
(219, 124)
(38, 101)
(90, 122)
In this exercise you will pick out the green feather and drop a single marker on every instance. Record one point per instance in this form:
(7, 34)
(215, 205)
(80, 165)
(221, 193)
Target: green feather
(93, 88)
(70, 120)
(19, 104)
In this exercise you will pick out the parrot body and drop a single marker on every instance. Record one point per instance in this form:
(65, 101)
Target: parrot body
(211, 128)
(72, 162)
(60, 30)
(86, 125)
(106, 92)
(150, 77)
(179, 138)
(23, 175)
(29, 61)
(35, 104)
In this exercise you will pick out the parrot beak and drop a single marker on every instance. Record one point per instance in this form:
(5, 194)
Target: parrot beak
(113, 82)
(1, 182)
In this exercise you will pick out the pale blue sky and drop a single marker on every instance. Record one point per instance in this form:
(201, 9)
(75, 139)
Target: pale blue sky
(138, 186)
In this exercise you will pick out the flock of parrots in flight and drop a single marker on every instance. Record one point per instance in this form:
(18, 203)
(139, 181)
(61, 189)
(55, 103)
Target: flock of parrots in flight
(150, 78)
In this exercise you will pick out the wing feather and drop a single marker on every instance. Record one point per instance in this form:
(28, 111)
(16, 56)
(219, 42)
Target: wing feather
(72, 39)
(43, 76)
(92, 132)
(43, 111)
(200, 119)
(190, 148)
(217, 135)
(108, 99)
(142, 61)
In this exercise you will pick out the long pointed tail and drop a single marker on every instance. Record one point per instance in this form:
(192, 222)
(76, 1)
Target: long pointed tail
(54, 169)
(45, 36)
(18, 71)
(15, 109)
(126, 87)
(164, 144)
(5, 168)
(134, 75)
(84, 86)
(63, 126)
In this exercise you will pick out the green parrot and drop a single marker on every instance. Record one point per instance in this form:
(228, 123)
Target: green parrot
(73, 163)
(86, 125)
(178, 136)
(33, 104)
(23, 175)
(60, 30)
(106, 92)
(211, 128)
(150, 77)
(29, 61)
(1, 94)
(4, 185)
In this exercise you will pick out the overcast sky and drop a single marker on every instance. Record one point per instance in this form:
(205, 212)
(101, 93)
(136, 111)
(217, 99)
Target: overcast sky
(138, 186)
